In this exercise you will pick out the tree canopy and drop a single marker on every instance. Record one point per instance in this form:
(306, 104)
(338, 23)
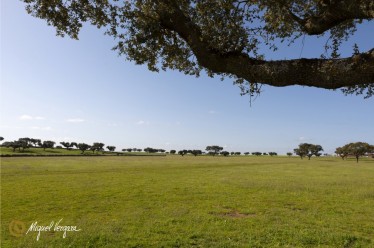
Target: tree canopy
(308, 150)
(214, 150)
(356, 149)
(226, 37)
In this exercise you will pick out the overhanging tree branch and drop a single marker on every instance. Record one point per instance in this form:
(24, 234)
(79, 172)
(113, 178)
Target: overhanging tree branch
(321, 73)
(333, 13)
(225, 37)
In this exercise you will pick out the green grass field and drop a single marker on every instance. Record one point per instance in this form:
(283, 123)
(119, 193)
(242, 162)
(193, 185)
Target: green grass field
(189, 201)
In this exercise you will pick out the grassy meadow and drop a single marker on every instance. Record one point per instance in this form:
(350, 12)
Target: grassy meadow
(175, 201)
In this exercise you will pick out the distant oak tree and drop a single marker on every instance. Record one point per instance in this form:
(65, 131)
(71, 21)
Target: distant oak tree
(358, 149)
(213, 150)
(111, 148)
(225, 153)
(83, 147)
(308, 150)
(342, 152)
(48, 144)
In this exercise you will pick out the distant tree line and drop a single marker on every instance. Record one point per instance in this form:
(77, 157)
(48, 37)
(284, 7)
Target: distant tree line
(24, 143)
(356, 149)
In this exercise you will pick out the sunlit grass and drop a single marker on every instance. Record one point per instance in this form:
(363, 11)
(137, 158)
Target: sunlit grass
(190, 201)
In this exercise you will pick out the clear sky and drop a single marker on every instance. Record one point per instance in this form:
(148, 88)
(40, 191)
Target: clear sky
(66, 90)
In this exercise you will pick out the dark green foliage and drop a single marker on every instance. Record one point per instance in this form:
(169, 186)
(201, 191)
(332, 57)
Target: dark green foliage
(196, 152)
(97, 146)
(83, 147)
(111, 148)
(356, 149)
(214, 150)
(47, 144)
(182, 152)
(150, 150)
(225, 153)
(308, 150)
(67, 145)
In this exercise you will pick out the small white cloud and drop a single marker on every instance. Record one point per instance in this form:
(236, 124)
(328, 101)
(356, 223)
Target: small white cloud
(75, 120)
(25, 117)
(212, 112)
(140, 122)
(29, 117)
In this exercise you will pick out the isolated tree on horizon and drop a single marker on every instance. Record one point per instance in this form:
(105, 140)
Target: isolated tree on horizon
(97, 146)
(1, 138)
(48, 144)
(83, 147)
(289, 154)
(228, 38)
(225, 153)
(315, 150)
(308, 150)
(342, 152)
(214, 150)
(358, 149)
(111, 148)
(149, 150)
(196, 152)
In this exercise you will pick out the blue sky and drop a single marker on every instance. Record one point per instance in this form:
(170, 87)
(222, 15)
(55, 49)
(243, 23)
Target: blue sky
(66, 90)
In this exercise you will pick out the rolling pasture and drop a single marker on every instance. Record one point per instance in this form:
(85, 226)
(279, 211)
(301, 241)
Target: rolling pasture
(174, 201)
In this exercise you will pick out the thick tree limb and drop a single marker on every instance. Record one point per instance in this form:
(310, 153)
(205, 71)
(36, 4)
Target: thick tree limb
(334, 13)
(321, 73)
